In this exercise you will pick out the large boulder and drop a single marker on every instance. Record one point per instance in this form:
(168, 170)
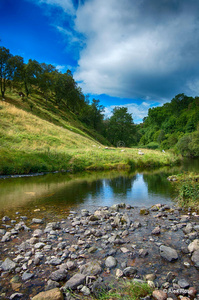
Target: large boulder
(54, 294)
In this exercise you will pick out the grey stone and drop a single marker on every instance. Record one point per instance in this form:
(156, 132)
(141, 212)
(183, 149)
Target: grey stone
(110, 262)
(85, 290)
(55, 261)
(37, 221)
(195, 258)
(5, 219)
(156, 230)
(16, 296)
(37, 233)
(194, 245)
(129, 271)
(26, 276)
(168, 253)
(58, 275)
(91, 268)
(183, 283)
(39, 245)
(8, 265)
(74, 281)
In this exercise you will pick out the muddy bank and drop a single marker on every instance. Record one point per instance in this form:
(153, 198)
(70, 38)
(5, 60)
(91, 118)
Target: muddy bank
(91, 249)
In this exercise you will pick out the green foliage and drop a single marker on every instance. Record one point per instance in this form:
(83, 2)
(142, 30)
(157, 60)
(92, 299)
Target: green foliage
(187, 187)
(173, 125)
(120, 129)
(188, 145)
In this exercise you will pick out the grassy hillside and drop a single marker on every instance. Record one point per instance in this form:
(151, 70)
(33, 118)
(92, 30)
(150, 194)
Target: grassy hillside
(36, 137)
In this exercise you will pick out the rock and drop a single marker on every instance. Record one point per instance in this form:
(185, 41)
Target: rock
(39, 245)
(159, 295)
(156, 230)
(5, 219)
(51, 285)
(16, 296)
(85, 290)
(37, 221)
(150, 277)
(91, 268)
(183, 283)
(37, 233)
(92, 249)
(110, 262)
(8, 265)
(55, 261)
(74, 281)
(119, 273)
(54, 294)
(124, 250)
(194, 245)
(188, 228)
(26, 276)
(129, 271)
(58, 275)
(6, 237)
(192, 292)
(143, 252)
(195, 258)
(144, 211)
(168, 253)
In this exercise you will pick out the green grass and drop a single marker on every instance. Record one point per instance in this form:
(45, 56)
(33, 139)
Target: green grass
(30, 144)
(187, 188)
(124, 290)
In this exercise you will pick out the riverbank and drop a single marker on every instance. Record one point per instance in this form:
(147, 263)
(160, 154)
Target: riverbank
(90, 251)
(187, 187)
(94, 157)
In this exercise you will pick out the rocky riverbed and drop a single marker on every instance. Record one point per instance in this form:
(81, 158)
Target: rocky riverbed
(91, 249)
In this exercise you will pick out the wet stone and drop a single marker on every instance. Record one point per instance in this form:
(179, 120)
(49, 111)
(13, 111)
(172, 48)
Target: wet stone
(8, 265)
(168, 253)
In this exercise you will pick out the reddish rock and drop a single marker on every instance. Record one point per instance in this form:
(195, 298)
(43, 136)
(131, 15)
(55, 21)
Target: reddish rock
(159, 295)
(54, 294)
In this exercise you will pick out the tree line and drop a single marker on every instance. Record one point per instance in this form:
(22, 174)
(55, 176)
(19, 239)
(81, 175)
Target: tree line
(175, 125)
(62, 88)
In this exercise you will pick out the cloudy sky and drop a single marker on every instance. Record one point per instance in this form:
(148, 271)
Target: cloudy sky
(133, 53)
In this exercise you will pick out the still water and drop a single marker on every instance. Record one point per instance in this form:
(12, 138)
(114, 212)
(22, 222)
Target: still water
(56, 193)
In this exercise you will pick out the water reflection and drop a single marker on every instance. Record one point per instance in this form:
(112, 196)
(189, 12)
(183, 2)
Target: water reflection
(64, 191)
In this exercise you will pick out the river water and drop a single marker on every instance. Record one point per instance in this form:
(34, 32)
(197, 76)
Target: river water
(54, 194)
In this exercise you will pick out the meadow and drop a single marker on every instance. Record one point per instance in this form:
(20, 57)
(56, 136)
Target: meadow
(30, 144)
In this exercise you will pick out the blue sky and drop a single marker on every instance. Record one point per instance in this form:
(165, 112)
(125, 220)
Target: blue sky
(137, 54)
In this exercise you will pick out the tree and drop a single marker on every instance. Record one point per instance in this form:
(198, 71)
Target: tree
(4, 68)
(121, 127)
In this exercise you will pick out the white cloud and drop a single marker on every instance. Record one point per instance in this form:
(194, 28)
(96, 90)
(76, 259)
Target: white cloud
(138, 111)
(60, 68)
(66, 5)
(135, 50)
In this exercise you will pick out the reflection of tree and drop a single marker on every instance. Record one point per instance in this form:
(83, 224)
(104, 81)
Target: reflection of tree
(122, 184)
(158, 184)
(74, 193)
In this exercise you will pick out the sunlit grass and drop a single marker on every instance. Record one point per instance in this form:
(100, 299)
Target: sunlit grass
(31, 144)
